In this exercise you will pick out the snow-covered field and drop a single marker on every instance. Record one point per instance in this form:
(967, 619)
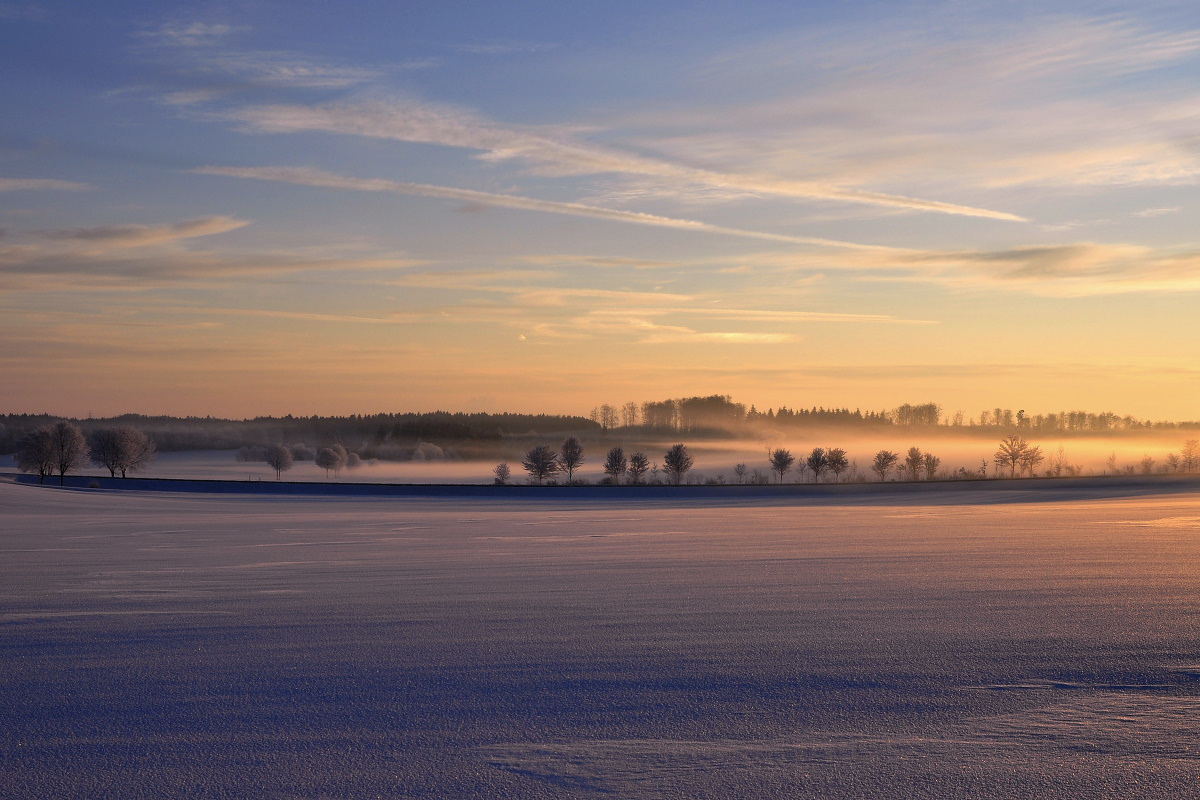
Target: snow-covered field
(158, 645)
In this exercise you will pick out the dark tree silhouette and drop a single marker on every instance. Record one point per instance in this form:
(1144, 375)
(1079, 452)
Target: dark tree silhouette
(571, 456)
(676, 462)
(836, 461)
(816, 463)
(69, 448)
(540, 462)
(740, 471)
(638, 466)
(615, 464)
(1031, 458)
(35, 453)
(914, 463)
(781, 462)
(883, 463)
(1012, 450)
(279, 458)
(931, 463)
(502, 473)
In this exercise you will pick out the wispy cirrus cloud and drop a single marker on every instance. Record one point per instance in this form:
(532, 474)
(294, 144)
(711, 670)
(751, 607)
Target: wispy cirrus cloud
(550, 152)
(120, 237)
(41, 184)
(306, 176)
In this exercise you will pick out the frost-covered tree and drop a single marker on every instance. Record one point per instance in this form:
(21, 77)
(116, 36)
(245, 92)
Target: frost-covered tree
(502, 473)
(124, 449)
(35, 453)
(69, 448)
(279, 458)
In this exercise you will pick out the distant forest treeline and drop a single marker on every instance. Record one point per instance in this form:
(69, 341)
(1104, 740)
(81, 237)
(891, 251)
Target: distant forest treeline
(712, 416)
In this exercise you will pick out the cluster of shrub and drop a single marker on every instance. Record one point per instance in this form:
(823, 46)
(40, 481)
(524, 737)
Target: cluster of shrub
(62, 448)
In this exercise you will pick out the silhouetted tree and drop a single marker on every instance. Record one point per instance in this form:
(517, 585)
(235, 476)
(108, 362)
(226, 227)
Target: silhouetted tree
(638, 465)
(1189, 455)
(676, 462)
(931, 463)
(836, 461)
(883, 463)
(571, 456)
(69, 447)
(629, 414)
(1012, 449)
(502, 473)
(353, 461)
(740, 471)
(540, 462)
(1030, 459)
(124, 449)
(913, 463)
(615, 464)
(279, 458)
(816, 463)
(781, 462)
(35, 453)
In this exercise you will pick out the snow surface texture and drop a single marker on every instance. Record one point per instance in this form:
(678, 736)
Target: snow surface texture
(158, 645)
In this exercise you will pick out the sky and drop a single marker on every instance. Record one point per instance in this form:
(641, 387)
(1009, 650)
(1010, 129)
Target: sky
(241, 209)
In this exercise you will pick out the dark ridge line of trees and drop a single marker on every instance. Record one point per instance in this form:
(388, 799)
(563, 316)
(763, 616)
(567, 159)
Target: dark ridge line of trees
(173, 434)
(717, 412)
(386, 435)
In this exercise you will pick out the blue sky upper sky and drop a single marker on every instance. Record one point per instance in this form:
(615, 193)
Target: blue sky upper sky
(243, 208)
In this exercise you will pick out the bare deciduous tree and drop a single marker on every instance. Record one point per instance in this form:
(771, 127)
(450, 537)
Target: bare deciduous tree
(1189, 455)
(836, 461)
(740, 471)
(124, 449)
(608, 417)
(930, 463)
(615, 464)
(69, 448)
(883, 463)
(1030, 459)
(540, 462)
(781, 462)
(1012, 449)
(503, 473)
(279, 458)
(638, 465)
(1147, 465)
(36, 454)
(816, 463)
(629, 414)
(327, 460)
(676, 462)
(913, 463)
(571, 456)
